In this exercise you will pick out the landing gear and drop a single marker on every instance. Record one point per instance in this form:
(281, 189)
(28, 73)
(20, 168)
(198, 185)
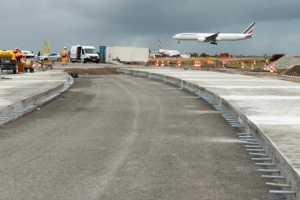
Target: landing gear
(178, 41)
(213, 42)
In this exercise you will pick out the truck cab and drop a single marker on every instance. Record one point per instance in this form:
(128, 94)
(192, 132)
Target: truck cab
(8, 60)
(84, 54)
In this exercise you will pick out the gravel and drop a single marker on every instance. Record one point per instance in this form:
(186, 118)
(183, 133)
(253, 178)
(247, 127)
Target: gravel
(287, 62)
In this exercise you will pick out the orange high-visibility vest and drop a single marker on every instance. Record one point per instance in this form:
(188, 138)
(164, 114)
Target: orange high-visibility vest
(64, 53)
(18, 54)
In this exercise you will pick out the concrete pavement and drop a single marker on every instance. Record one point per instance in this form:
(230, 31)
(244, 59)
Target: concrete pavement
(21, 93)
(266, 111)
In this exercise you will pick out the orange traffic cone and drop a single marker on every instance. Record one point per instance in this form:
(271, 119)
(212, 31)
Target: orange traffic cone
(179, 63)
(197, 64)
(157, 64)
(223, 64)
(272, 69)
(243, 65)
(162, 63)
(33, 65)
(40, 66)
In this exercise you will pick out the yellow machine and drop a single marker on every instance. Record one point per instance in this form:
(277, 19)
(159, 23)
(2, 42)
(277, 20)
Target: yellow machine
(27, 61)
(27, 65)
(47, 47)
(8, 60)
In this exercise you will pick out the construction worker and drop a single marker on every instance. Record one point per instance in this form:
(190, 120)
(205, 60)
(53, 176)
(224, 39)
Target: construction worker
(64, 56)
(18, 54)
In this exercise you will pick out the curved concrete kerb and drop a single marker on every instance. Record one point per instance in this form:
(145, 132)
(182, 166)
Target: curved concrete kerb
(22, 93)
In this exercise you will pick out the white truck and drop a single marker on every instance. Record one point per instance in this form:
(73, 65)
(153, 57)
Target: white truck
(84, 54)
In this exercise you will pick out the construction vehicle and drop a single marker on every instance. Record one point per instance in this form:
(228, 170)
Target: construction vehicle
(8, 60)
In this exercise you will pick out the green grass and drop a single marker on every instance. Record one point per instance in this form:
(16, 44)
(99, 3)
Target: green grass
(247, 64)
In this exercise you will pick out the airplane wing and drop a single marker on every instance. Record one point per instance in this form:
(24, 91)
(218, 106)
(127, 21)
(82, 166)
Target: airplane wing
(211, 37)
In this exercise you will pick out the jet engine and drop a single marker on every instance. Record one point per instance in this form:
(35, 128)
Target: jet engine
(201, 39)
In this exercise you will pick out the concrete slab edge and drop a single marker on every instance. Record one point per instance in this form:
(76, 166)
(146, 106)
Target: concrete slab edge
(291, 176)
(18, 109)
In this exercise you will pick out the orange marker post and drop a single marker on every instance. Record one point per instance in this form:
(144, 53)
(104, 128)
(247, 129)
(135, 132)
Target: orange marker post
(157, 64)
(179, 63)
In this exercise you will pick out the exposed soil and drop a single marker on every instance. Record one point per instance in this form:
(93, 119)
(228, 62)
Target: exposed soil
(92, 71)
(294, 71)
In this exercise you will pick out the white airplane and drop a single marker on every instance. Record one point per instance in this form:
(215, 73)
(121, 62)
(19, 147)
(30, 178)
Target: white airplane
(214, 37)
(167, 53)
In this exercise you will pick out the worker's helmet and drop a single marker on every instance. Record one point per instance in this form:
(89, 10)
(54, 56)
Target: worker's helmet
(16, 47)
(65, 47)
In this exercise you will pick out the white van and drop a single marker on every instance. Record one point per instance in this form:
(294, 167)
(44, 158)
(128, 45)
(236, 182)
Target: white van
(84, 54)
(27, 54)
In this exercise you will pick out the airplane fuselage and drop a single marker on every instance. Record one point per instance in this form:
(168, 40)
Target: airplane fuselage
(201, 37)
(169, 53)
(214, 37)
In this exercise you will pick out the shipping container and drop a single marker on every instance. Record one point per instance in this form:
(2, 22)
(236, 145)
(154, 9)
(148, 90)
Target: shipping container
(102, 52)
(124, 54)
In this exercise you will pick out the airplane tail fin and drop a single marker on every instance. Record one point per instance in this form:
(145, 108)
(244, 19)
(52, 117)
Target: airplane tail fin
(249, 30)
(159, 45)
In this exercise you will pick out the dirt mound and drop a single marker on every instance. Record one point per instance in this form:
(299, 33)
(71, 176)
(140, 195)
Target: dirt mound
(294, 71)
(275, 57)
(92, 71)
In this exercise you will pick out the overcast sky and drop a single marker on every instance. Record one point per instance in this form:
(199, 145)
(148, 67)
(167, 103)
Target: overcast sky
(26, 24)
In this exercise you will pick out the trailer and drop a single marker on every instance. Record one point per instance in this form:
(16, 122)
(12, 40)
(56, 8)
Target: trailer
(45, 64)
(124, 54)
